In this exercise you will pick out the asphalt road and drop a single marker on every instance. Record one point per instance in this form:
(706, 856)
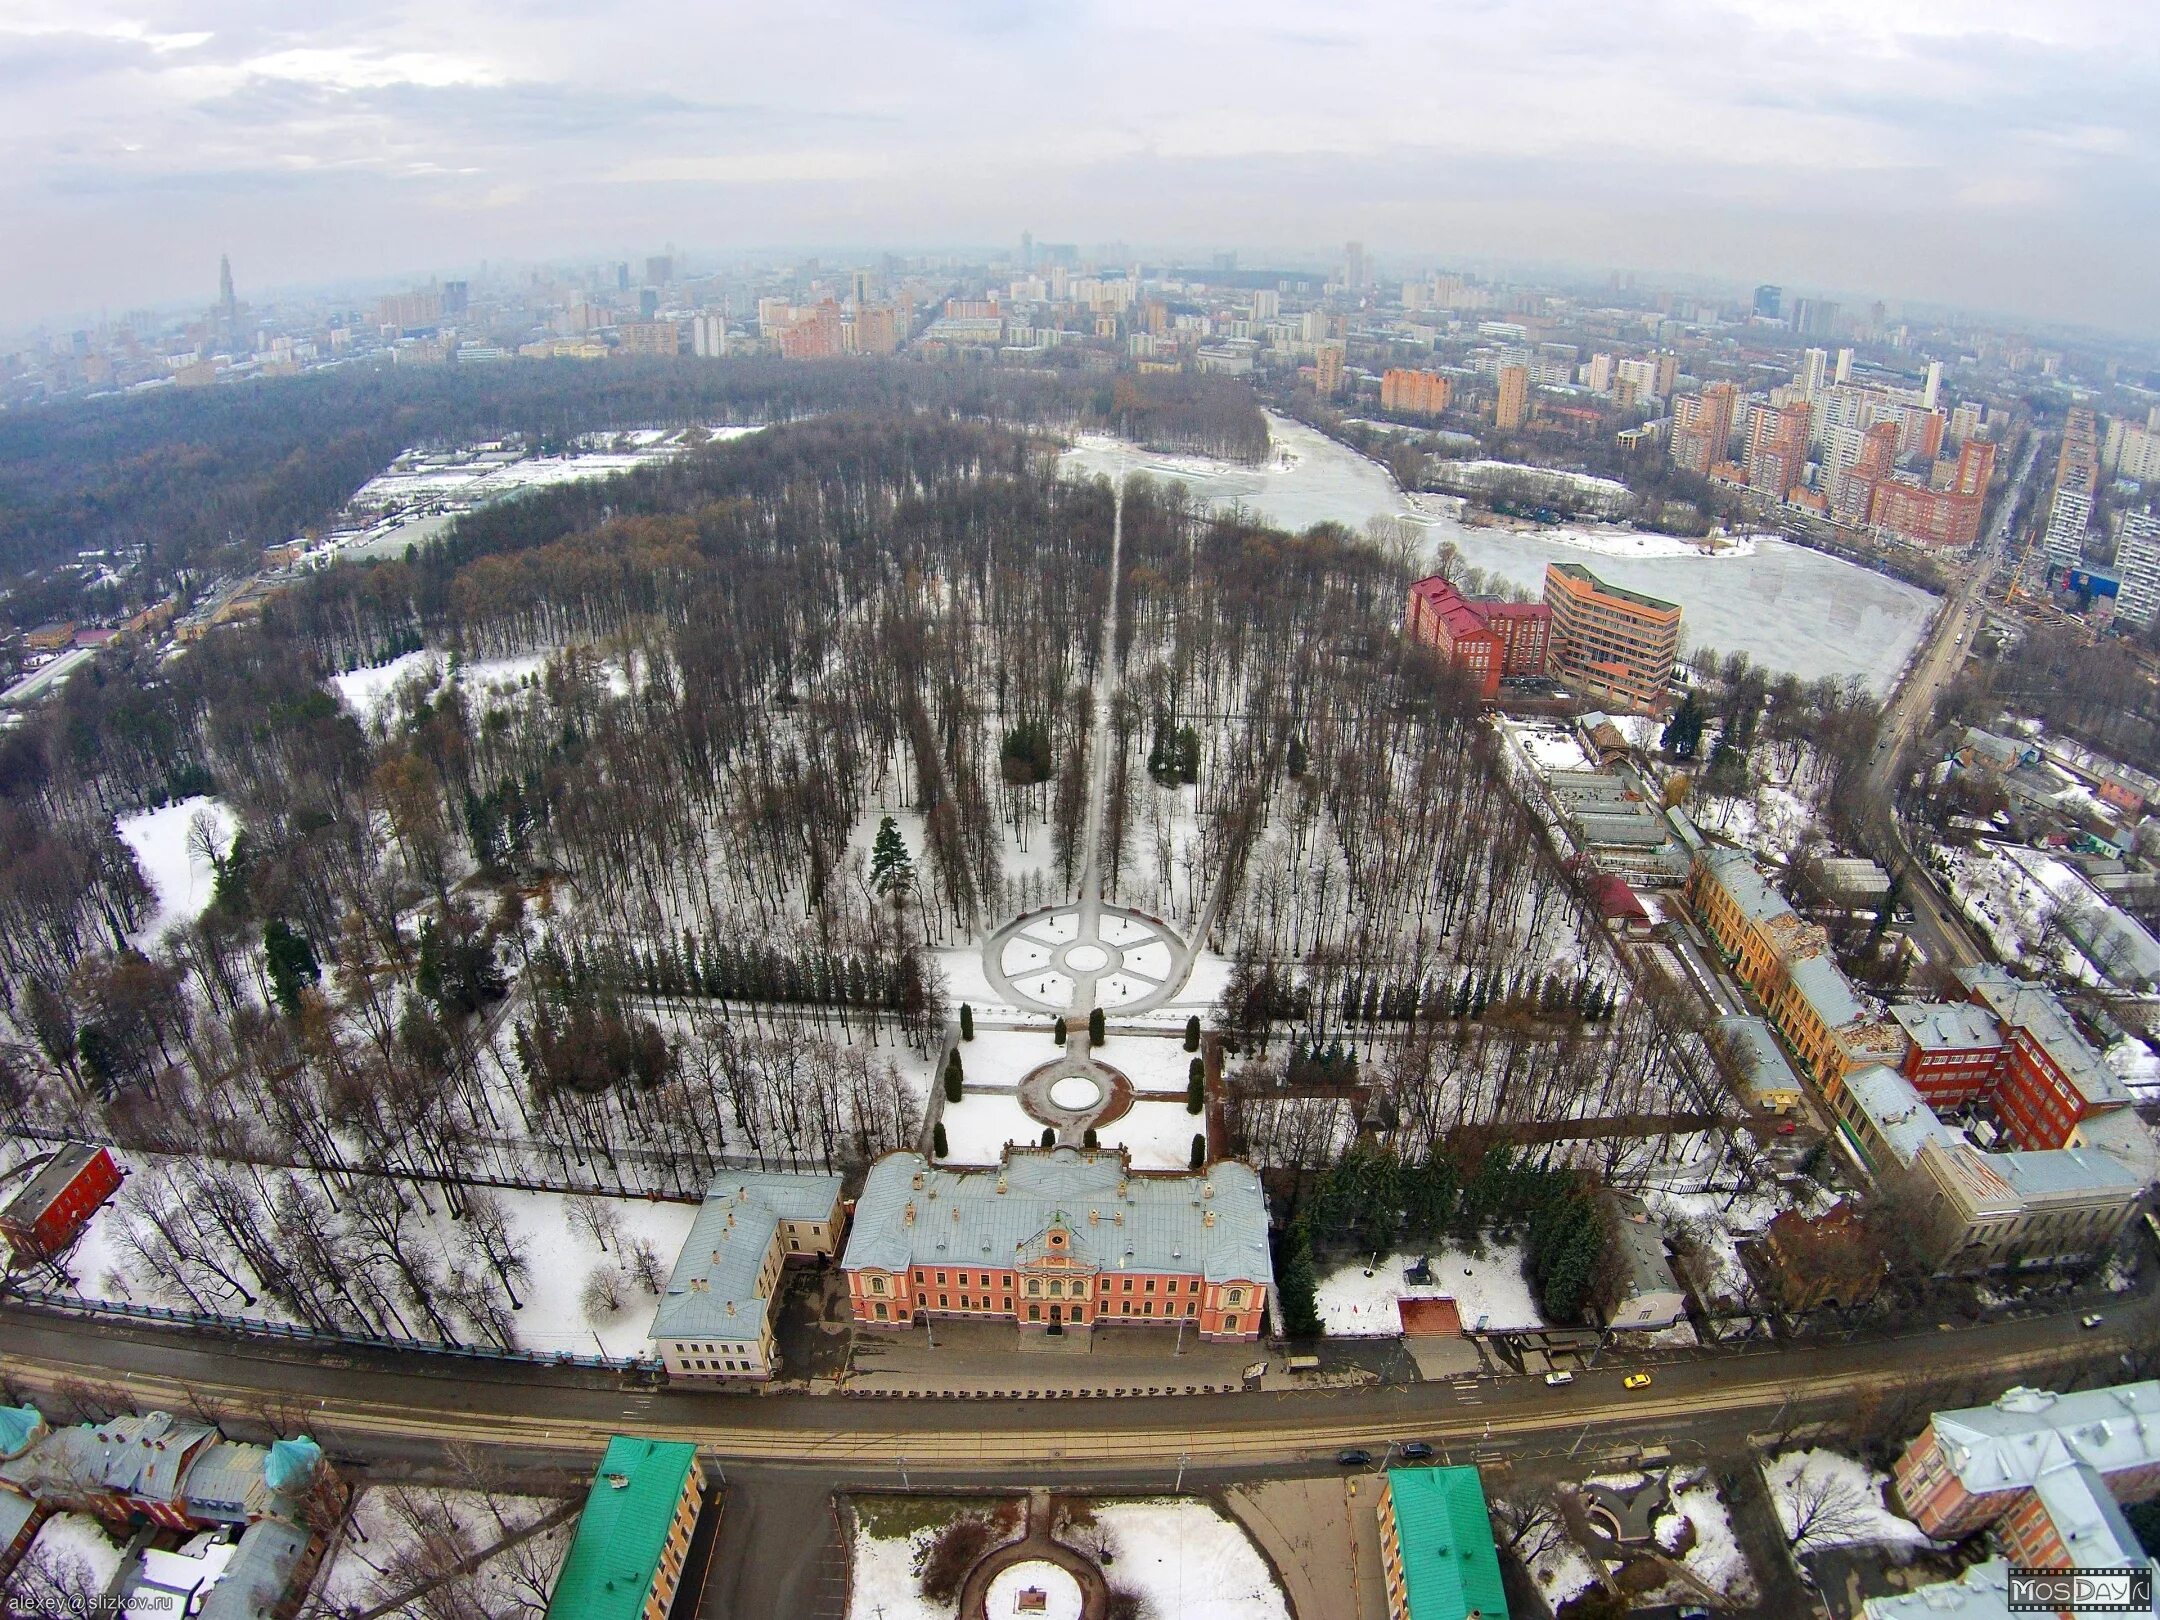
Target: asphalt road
(412, 1410)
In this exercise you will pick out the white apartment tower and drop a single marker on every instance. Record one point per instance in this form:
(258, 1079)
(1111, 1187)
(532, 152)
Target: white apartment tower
(2137, 560)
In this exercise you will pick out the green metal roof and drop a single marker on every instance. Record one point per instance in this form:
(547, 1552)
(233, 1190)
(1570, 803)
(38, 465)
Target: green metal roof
(1450, 1566)
(625, 1525)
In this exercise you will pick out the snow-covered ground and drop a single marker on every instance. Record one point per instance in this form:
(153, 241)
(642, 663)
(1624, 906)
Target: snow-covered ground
(1158, 1135)
(1047, 1591)
(1150, 1062)
(1188, 1561)
(561, 1256)
(1715, 1559)
(1770, 822)
(178, 873)
(1828, 1500)
(80, 1538)
(884, 1582)
(2137, 1067)
(366, 692)
(400, 1535)
(1490, 1292)
(982, 1124)
(1785, 606)
(1562, 1571)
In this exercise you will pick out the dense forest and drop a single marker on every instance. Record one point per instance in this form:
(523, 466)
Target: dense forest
(205, 477)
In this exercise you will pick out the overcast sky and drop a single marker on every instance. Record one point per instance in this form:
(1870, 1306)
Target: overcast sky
(1995, 153)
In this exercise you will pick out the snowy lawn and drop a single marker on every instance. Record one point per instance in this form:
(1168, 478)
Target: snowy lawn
(1825, 1500)
(561, 1256)
(2136, 1066)
(1188, 1561)
(1715, 1559)
(72, 1538)
(402, 1535)
(179, 875)
(1158, 1135)
(1048, 1591)
(1562, 1570)
(982, 1124)
(1150, 1062)
(1004, 1057)
(365, 691)
(1491, 1293)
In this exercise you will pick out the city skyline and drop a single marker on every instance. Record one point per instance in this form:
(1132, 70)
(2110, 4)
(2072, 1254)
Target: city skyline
(1975, 156)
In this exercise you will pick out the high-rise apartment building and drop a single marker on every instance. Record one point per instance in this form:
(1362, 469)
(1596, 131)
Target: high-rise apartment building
(1617, 646)
(1702, 427)
(1967, 420)
(708, 337)
(1415, 393)
(1814, 373)
(2133, 451)
(1770, 302)
(1328, 369)
(1668, 374)
(815, 336)
(1354, 266)
(659, 270)
(877, 329)
(1640, 375)
(1512, 405)
(1777, 448)
(2137, 560)
(2077, 481)
(1598, 374)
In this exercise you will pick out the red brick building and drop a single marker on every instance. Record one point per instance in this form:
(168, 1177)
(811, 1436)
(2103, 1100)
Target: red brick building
(2047, 1471)
(1060, 1238)
(1488, 638)
(2050, 1078)
(1956, 1050)
(50, 1213)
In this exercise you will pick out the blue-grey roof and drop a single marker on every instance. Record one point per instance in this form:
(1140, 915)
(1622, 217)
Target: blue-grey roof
(2021, 1004)
(226, 1483)
(2067, 1172)
(1644, 831)
(1211, 1222)
(1900, 1115)
(137, 1456)
(1757, 1049)
(1946, 1026)
(15, 1512)
(1736, 872)
(1818, 982)
(713, 1288)
(256, 1579)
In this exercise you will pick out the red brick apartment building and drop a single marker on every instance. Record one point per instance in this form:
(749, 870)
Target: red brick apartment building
(1490, 639)
(2051, 1079)
(51, 1211)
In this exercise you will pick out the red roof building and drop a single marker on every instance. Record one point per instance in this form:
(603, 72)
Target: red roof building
(1487, 638)
(50, 1213)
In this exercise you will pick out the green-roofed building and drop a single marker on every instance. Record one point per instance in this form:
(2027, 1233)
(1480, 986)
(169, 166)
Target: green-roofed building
(634, 1535)
(1436, 1546)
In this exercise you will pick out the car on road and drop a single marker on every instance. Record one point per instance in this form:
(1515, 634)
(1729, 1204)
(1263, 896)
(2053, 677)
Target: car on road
(2092, 1321)
(1415, 1451)
(1637, 1381)
(1353, 1457)
(1556, 1379)
(1787, 1129)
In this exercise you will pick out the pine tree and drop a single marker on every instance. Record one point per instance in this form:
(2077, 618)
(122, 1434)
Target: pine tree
(952, 1075)
(892, 871)
(1199, 1149)
(1095, 1027)
(1057, 1030)
(1683, 732)
(1049, 1137)
(1297, 1286)
(1192, 1033)
(1299, 760)
(290, 957)
(937, 1140)
(1195, 1088)
(967, 1022)
(1088, 1139)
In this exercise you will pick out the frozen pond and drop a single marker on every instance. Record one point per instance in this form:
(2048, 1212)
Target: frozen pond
(1783, 605)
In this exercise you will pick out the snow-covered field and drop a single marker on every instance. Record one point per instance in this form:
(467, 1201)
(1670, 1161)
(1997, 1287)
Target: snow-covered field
(561, 1255)
(1158, 1135)
(1827, 1500)
(402, 1535)
(366, 692)
(1562, 1570)
(78, 1537)
(165, 851)
(1715, 1559)
(1490, 1292)
(1188, 1561)
(1045, 1589)
(982, 1124)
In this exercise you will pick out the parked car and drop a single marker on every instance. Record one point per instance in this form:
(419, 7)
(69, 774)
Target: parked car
(2091, 1321)
(1637, 1380)
(1556, 1379)
(1353, 1457)
(1787, 1129)
(1415, 1451)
